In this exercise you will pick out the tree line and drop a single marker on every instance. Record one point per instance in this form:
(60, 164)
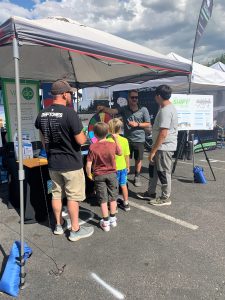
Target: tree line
(220, 58)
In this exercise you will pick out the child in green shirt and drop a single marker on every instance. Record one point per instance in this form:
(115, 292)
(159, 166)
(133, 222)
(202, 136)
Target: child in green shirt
(123, 161)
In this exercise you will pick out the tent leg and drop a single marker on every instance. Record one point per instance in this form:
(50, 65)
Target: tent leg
(20, 157)
(77, 100)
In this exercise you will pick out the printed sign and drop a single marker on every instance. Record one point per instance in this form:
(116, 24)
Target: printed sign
(30, 106)
(195, 112)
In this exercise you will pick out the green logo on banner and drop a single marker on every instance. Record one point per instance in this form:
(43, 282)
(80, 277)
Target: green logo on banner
(181, 102)
(27, 93)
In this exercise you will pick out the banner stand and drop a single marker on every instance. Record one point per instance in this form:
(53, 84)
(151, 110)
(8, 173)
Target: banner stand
(206, 156)
(181, 149)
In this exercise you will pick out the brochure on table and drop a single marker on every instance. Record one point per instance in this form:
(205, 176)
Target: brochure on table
(30, 106)
(195, 112)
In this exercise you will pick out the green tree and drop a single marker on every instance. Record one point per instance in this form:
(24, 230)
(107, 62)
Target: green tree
(220, 58)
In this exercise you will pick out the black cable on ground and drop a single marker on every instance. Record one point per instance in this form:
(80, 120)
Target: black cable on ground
(59, 270)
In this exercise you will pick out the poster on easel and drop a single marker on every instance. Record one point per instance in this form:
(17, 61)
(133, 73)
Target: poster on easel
(195, 112)
(30, 107)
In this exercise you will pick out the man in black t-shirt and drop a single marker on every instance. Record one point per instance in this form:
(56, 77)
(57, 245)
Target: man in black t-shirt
(62, 135)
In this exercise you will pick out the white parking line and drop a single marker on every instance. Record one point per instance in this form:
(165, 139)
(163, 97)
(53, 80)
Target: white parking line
(186, 163)
(113, 291)
(202, 160)
(162, 215)
(213, 160)
(90, 216)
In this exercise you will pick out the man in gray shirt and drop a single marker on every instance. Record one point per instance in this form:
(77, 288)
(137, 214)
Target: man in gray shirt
(164, 135)
(135, 120)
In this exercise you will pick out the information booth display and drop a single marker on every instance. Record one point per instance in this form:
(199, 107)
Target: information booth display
(195, 114)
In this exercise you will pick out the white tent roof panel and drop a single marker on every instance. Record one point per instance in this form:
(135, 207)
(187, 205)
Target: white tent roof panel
(203, 78)
(202, 74)
(219, 66)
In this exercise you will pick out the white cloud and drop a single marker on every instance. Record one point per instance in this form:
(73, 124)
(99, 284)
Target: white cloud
(162, 25)
(8, 9)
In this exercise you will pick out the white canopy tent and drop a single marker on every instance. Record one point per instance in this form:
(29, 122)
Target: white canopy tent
(62, 48)
(203, 79)
(53, 48)
(202, 75)
(219, 66)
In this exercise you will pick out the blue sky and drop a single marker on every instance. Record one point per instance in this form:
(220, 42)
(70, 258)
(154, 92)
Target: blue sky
(29, 4)
(24, 3)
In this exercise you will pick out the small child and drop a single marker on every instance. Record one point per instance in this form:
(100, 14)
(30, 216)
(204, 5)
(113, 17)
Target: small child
(123, 161)
(101, 159)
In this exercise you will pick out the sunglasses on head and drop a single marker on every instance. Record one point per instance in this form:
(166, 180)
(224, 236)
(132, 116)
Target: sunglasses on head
(134, 97)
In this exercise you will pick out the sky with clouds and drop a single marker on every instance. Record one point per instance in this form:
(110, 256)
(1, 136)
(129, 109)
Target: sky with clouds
(162, 25)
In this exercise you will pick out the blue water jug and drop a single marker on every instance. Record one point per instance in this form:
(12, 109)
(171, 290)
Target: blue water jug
(199, 176)
(43, 153)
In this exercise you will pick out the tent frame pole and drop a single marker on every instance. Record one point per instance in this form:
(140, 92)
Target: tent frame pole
(21, 176)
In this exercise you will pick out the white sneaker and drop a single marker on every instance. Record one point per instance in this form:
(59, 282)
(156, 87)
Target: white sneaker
(113, 221)
(137, 181)
(60, 229)
(64, 212)
(68, 223)
(105, 225)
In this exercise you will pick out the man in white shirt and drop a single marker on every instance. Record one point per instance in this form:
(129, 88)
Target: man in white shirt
(164, 135)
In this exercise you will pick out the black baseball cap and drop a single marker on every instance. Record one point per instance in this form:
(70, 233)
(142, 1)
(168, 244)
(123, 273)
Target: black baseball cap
(60, 87)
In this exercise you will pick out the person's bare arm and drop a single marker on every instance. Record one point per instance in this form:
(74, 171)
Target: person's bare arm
(80, 138)
(118, 148)
(140, 125)
(145, 125)
(111, 111)
(88, 169)
(127, 158)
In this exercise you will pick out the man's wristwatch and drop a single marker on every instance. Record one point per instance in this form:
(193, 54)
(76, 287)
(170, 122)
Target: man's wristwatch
(138, 124)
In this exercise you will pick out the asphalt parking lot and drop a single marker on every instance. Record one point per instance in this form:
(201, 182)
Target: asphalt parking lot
(173, 252)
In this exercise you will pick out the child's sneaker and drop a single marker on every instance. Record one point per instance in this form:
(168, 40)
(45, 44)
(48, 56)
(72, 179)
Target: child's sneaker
(113, 221)
(126, 207)
(121, 204)
(105, 225)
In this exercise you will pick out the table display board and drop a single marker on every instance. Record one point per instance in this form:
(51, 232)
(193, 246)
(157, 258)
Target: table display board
(195, 112)
(30, 107)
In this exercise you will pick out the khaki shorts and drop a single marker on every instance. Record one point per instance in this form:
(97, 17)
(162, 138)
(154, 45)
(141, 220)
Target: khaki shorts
(69, 184)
